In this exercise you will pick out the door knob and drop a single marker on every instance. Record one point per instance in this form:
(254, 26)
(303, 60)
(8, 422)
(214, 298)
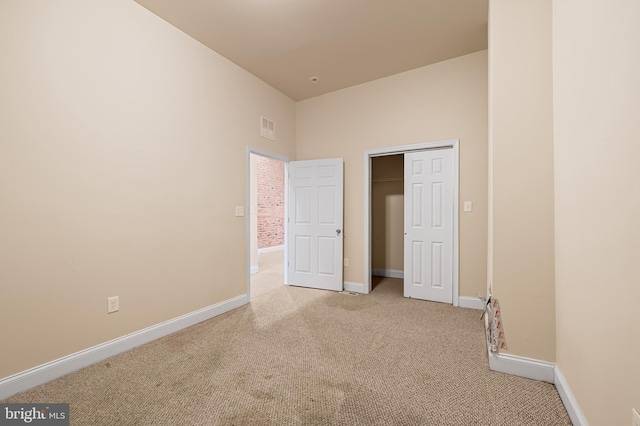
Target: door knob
(338, 231)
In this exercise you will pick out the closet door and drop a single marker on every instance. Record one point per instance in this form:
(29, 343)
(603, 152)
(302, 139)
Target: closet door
(428, 221)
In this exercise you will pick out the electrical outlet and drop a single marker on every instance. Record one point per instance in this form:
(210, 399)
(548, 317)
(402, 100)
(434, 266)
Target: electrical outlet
(113, 304)
(346, 262)
(635, 417)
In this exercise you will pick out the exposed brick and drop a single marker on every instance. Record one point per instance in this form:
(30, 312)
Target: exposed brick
(270, 202)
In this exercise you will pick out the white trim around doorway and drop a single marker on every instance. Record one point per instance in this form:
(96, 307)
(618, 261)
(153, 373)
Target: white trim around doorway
(285, 160)
(379, 152)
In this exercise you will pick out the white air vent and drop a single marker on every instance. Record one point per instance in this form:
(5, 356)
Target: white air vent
(267, 129)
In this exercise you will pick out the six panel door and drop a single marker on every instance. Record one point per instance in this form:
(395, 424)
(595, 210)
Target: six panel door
(315, 223)
(428, 222)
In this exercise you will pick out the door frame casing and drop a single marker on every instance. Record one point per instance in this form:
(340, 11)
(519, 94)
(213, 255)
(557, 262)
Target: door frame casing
(285, 160)
(395, 150)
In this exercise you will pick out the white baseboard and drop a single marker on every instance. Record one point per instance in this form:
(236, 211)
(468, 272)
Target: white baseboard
(254, 270)
(470, 302)
(70, 363)
(575, 414)
(269, 249)
(523, 367)
(389, 273)
(354, 287)
(539, 370)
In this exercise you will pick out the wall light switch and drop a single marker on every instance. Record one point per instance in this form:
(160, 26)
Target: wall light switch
(239, 211)
(468, 206)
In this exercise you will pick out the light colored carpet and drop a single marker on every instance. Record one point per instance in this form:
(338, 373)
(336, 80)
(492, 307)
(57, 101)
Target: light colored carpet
(297, 356)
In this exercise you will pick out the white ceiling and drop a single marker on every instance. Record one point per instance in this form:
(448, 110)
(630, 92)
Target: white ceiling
(342, 42)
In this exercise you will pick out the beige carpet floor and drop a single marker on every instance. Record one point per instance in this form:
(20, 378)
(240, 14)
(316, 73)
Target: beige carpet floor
(296, 356)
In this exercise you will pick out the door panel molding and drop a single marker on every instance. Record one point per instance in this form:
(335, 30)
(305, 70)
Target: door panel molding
(402, 149)
(315, 223)
(428, 225)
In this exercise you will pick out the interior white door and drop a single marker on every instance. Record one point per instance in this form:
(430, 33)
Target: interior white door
(315, 219)
(428, 225)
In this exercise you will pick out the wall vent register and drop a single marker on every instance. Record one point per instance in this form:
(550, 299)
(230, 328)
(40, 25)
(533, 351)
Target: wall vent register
(267, 129)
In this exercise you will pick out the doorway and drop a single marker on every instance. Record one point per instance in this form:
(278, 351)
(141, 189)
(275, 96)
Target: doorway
(313, 238)
(266, 225)
(370, 157)
(387, 219)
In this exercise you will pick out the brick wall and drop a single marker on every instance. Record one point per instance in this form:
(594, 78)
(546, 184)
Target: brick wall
(270, 202)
